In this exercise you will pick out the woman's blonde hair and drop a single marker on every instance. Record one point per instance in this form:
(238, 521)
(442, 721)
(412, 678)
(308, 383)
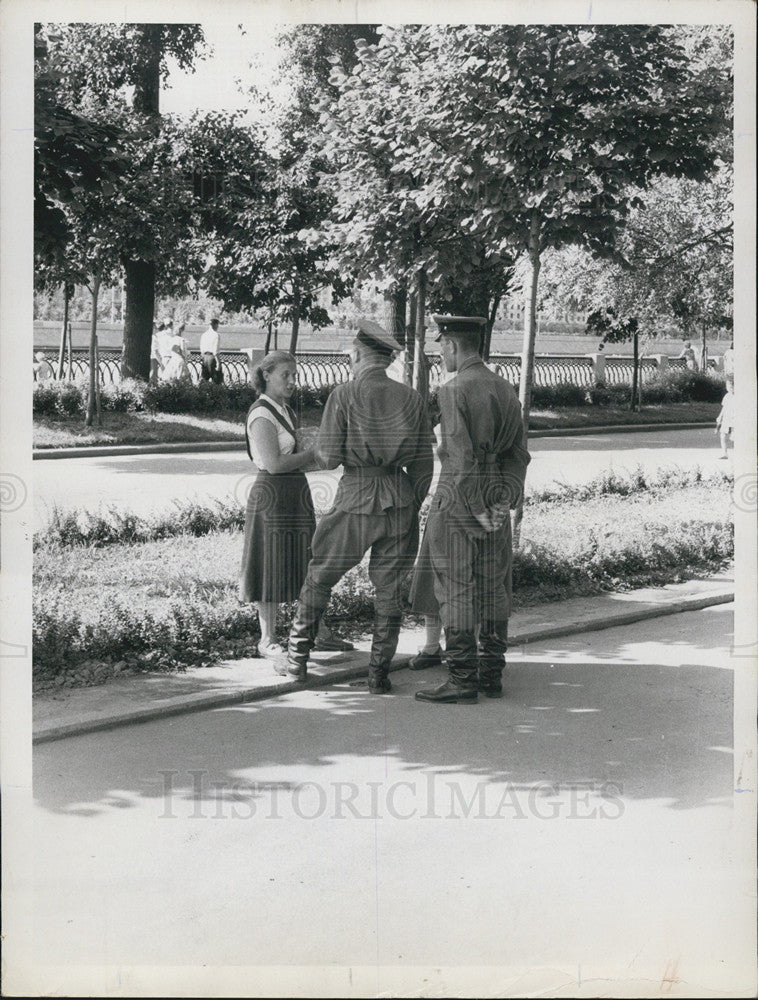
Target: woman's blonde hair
(268, 364)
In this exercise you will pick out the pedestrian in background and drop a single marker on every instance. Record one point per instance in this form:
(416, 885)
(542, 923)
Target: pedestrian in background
(688, 354)
(156, 355)
(279, 519)
(42, 367)
(725, 420)
(210, 346)
(728, 363)
(176, 366)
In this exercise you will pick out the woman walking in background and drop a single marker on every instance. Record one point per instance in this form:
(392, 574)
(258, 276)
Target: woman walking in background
(725, 420)
(176, 366)
(688, 356)
(279, 520)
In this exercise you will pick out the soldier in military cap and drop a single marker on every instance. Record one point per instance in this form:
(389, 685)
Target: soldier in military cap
(378, 430)
(468, 533)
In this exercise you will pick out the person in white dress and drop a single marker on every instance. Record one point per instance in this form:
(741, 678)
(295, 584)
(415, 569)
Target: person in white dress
(176, 367)
(725, 420)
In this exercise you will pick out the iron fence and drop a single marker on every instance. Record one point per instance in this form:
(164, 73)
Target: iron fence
(316, 370)
(619, 371)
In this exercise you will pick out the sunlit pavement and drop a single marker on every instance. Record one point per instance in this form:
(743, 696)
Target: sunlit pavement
(584, 825)
(145, 483)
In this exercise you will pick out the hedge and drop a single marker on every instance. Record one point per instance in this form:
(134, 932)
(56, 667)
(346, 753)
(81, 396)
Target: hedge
(115, 527)
(178, 396)
(202, 626)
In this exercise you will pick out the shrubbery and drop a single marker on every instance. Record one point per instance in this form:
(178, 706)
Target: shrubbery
(680, 386)
(180, 396)
(560, 394)
(69, 647)
(202, 624)
(115, 527)
(68, 399)
(53, 399)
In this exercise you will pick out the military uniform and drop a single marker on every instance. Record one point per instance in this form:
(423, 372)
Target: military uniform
(378, 430)
(484, 461)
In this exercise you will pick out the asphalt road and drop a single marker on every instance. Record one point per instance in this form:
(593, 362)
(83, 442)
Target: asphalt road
(151, 482)
(583, 828)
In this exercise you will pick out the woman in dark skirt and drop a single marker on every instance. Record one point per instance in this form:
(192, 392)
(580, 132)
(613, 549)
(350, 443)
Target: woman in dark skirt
(279, 520)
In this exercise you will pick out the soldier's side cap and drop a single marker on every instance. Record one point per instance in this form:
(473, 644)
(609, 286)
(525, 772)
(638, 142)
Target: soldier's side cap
(458, 324)
(372, 335)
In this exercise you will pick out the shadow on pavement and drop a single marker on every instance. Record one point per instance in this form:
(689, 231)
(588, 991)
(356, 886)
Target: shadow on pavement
(655, 732)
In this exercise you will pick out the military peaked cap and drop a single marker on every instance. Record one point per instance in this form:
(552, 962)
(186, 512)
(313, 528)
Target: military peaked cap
(459, 324)
(370, 334)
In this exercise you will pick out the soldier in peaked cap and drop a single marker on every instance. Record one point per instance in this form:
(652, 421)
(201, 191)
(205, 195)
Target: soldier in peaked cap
(378, 430)
(468, 532)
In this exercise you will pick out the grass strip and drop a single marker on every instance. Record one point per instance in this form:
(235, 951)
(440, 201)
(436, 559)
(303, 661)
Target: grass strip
(116, 527)
(166, 604)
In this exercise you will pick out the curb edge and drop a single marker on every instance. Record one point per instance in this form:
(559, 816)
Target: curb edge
(245, 696)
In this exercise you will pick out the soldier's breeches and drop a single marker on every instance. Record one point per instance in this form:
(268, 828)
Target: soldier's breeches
(493, 643)
(339, 543)
(471, 573)
(461, 656)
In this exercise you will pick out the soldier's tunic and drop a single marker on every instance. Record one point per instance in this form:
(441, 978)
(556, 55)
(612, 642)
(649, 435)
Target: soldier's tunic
(484, 461)
(378, 430)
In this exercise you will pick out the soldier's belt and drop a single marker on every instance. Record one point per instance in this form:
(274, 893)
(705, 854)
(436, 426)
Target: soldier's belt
(369, 471)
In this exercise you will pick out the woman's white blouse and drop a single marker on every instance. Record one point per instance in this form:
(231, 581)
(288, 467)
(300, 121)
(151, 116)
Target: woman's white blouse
(284, 439)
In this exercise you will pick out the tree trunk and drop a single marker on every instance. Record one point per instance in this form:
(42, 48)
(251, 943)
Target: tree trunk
(147, 85)
(70, 355)
(410, 337)
(394, 322)
(635, 368)
(139, 285)
(64, 331)
(420, 369)
(527, 355)
(98, 410)
(267, 346)
(93, 374)
(704, 353)
(295, 317)
(487, 333)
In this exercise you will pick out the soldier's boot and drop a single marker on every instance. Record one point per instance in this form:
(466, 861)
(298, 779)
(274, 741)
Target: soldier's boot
(493, 642)
(301, 641)
(461, 685)
(383, 646)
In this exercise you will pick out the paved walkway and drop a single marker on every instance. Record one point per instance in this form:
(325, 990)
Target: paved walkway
(127, 700)
(581, 837)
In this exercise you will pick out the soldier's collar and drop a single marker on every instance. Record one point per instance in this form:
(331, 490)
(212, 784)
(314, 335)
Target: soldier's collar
(371, 370)
(470, 362)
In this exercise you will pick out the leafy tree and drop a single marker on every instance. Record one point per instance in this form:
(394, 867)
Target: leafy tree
(96, 62)
(618, 330)
(291, 266)
(77, 167)
(547, 130)
(394, 220)
(674, 263)
(554, 127)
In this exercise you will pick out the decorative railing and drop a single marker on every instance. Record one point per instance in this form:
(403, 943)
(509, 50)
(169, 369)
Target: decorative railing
(619, 371)
(317, 370)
